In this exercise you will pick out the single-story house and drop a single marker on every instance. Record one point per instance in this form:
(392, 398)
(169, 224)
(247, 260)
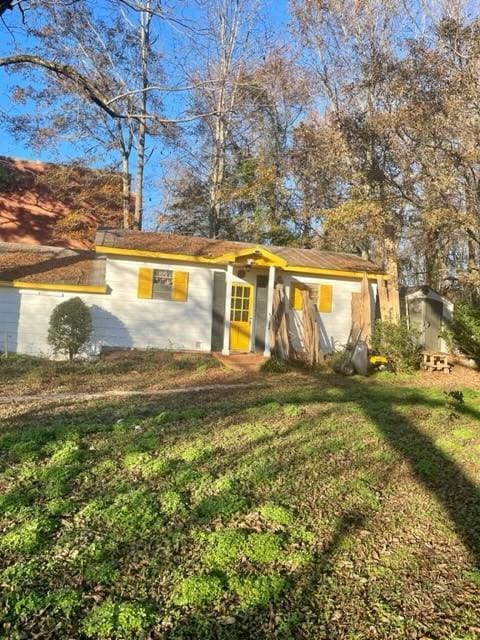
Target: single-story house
(428, 312)
(158, 290)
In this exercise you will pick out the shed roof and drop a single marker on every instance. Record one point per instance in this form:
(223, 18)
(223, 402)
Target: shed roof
(425, 290)
(197, 247)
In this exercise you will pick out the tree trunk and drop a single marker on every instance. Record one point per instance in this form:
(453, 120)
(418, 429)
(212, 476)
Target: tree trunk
(391, 268)
(145, 19)
(229, 24)
(472, 256)
(126, 192)
(218, 174)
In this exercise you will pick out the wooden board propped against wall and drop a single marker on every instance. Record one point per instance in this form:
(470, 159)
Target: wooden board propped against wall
(362, 320)
(388, 301)
(280, 336)
(356, 316)
(310, 335)
(280, 344)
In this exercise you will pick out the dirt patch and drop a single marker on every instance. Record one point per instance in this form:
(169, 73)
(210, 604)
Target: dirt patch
(460, 376)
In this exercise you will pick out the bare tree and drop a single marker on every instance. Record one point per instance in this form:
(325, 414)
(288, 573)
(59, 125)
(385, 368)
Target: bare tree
(352, 47)
(221, 60)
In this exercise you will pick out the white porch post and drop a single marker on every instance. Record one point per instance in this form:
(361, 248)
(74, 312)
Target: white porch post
(270, 287)
(228, 303)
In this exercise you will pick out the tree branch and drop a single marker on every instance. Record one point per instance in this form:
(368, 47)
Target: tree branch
(92, 92)
(4, 5)
(68, 72)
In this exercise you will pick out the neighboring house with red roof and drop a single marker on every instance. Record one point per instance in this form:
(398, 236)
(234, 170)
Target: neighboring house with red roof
(56, 205)
(158, 290)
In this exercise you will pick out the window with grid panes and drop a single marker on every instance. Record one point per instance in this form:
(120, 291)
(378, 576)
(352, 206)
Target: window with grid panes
(239, 309)
(162, 284)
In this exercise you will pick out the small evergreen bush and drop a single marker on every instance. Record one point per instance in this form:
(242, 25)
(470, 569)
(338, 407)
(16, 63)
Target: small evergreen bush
(70, 327)
(398, 343)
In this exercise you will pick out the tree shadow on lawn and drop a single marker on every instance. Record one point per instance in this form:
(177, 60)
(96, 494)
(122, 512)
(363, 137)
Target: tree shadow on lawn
(439, 473)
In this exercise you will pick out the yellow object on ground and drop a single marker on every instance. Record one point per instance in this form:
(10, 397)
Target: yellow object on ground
(378, 360)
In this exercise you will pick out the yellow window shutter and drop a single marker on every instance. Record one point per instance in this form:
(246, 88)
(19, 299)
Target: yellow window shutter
(325, 296)
(180, 286)
(296, 297)
(145, 282)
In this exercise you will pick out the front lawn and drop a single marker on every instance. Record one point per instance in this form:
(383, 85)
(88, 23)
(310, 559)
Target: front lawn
(316, 508)
(132, 370)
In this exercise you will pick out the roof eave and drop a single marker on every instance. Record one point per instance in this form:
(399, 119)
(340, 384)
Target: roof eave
(231, 256)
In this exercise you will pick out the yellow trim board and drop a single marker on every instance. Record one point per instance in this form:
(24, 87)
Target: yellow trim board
(334, 272)
(80, 288)
(268, 259)
(137, 253)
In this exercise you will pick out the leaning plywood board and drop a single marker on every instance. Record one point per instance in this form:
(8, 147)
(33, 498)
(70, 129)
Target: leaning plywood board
(279, 337)
(356, 316)
(388, 300)
(362, 320)
(383, 299)
(366, 309)
(309, 329)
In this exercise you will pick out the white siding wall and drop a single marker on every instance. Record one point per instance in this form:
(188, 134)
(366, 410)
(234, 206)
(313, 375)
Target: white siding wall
(334, 327)
(119, 317)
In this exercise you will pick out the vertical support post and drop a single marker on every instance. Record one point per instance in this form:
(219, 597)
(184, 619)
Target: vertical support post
(270, 287)
(228, 303)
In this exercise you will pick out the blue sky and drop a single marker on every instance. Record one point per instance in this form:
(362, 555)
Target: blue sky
(14, 38)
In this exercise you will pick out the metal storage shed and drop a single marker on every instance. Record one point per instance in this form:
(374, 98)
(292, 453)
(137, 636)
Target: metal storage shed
(429, 312)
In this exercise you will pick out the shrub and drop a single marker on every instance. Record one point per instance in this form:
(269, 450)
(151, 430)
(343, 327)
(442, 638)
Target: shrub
(70, 327)
(464, 330)
(398, 343)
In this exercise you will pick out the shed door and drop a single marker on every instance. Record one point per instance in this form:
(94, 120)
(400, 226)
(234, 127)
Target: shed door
(433, 323)
(415, 313)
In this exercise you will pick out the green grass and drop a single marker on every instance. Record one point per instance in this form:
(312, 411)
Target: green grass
(329, 508)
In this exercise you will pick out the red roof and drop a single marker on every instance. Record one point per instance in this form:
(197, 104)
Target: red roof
(56, 205)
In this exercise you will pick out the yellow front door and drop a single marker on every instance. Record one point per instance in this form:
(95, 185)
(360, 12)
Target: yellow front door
(240, 317)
